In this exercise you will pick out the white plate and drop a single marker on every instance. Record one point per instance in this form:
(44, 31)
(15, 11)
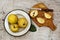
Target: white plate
(17, 11)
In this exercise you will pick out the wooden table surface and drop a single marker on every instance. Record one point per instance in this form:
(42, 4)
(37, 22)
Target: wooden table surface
(42, 33)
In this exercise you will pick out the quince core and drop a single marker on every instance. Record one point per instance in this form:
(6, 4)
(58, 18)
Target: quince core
(34, 13)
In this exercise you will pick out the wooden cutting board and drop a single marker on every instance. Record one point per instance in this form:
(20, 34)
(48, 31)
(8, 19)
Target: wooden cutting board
(37, 15)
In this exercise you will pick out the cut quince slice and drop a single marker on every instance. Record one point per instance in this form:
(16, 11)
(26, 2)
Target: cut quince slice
(47, 15)
(34, 13)
(40, 20)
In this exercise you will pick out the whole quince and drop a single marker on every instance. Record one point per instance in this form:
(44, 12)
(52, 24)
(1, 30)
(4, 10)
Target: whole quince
(22, 22)
(14, 28)
(12, 18)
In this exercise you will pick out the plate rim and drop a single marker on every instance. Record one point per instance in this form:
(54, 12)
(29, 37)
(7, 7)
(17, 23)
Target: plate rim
(6, 16)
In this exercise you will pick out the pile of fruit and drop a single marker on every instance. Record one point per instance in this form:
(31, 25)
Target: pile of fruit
(16, 23)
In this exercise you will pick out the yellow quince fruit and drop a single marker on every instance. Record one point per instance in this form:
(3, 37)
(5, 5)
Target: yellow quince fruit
(12, 18)
(22, 22)
(14, 28)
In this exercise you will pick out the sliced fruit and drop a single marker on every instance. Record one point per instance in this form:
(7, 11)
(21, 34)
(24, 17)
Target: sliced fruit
(22, 22)
(34, 13)
(14, 27)
(47, 15)
(40, 20)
